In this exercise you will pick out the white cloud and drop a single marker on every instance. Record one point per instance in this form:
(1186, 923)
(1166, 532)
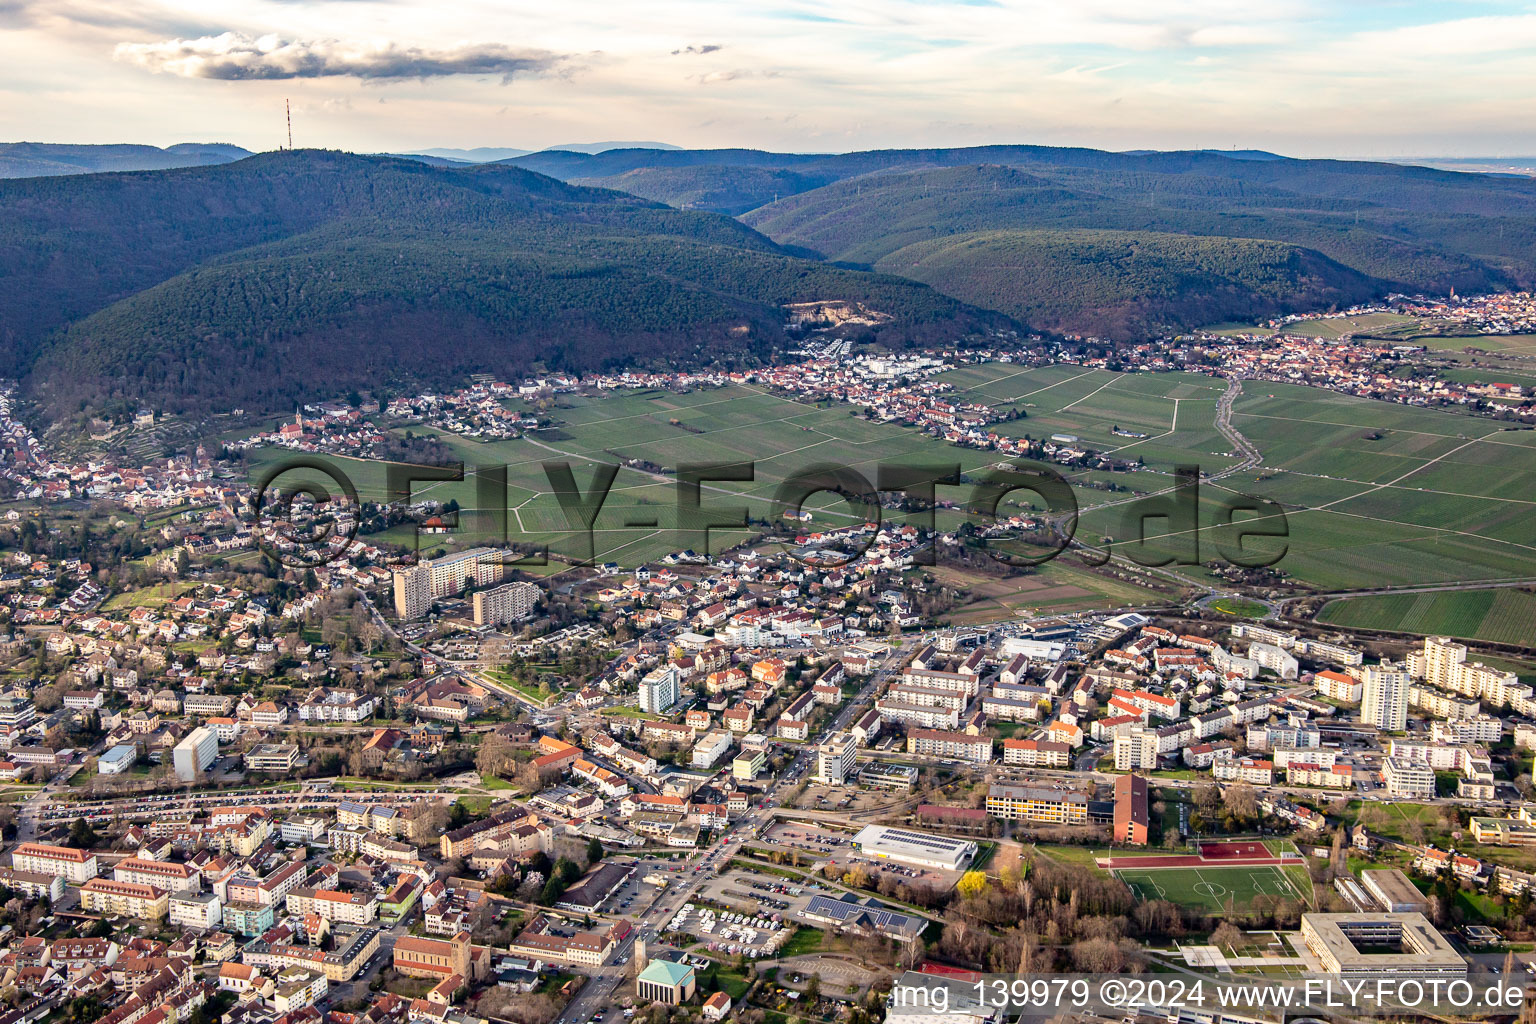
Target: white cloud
(234, 56)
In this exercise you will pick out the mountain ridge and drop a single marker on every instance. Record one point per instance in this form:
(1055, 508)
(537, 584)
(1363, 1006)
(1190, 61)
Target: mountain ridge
(294, 275)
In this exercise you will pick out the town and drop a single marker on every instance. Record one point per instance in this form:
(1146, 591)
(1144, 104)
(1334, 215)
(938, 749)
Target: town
(760, 783)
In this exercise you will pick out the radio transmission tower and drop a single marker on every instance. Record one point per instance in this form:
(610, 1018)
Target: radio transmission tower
(288, 110)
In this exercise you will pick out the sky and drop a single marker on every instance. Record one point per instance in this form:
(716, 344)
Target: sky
(1359, 78)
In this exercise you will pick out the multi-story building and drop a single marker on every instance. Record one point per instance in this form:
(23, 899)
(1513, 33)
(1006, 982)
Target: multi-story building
(610, 784)
(509, 602)
(710, 748)
(1252, 770)
(1135, 749)
(1408, 779)
(939, 743)
(32, 884)
(1477, 729)
(413, 591)
(517, 833)
(74, 866)
(1279, 661)
(207, 705)
(659, 690)
(334, 905)
(325, 705)
(172, 877)
(835, 758)
(1037, 753)
(1337, 686)
(295, 988)
(1038, 803)
(1384, 696)
(124, 899)
(920, 715)
(302, 830)
(587, 949)
(350, 950)
(272, 758)
(480, 567)
(246, 918)
(747, 764)
(201, 911)
(196, 751)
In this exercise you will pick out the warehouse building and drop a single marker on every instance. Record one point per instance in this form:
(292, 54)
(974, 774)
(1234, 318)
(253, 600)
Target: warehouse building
(920, 849)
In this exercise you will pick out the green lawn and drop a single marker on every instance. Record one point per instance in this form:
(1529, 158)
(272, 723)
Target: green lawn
(1239, 607)
(147, 597)
(625, 711)
(804, 941)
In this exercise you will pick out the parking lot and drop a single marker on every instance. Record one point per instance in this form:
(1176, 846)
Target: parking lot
(744, 911)
(807, 838)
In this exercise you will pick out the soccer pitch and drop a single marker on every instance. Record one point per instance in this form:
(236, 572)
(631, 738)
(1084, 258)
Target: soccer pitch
(1211, 888)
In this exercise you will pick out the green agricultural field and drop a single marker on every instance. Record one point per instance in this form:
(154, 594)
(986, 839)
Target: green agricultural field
(1488, 375)
(1378, 494)
(1212, 889)
(1367, 323)
(1507, 344)
(1239, 330)
(1503, 616)
(1372, 493)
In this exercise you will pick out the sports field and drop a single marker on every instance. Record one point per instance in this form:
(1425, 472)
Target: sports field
(1210, 888)
(1504, 616)
(1214, 875)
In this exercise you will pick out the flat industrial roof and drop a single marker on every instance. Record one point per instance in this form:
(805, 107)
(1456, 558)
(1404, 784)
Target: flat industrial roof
(1424, 946)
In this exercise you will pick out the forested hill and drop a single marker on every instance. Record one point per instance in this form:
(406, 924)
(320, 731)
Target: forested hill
(35, 159)
(298, 275)
(1127, 283)
(1394, 227)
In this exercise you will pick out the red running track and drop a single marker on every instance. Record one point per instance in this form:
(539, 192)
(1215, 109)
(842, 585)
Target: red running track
(1224, 850)
(1190, 861)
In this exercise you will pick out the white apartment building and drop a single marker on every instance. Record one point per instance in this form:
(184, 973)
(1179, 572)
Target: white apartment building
(917, 714)
(1337, 686)
(1136, 749)
(333, 905)
(958, 745)
(1384, 696)
(710, 748)
(835, 758)
(482, 566)
(1281, 662)
(659, 690)
(1408, 779)
(201, 911)
(197, 750)
(173, 878)
(413, 592)
(509, 602)
(1479, 729)
(76, 866)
